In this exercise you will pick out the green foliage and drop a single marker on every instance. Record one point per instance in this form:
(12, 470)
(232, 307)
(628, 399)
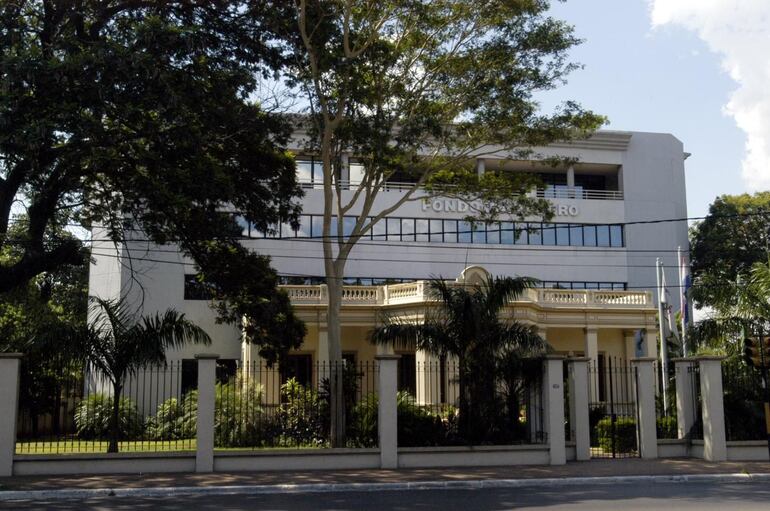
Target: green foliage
(94, 413)
(304, 415)
(174, 420)
(624, 438)
(240, 420)
(667, 427)
(363, 422)
(417, 426)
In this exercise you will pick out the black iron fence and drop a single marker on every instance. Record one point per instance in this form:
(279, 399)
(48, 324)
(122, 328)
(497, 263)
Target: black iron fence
(743, 401)
(451, 404)
(665, 402)
(613, 413)
(74, 411)
(696, 431)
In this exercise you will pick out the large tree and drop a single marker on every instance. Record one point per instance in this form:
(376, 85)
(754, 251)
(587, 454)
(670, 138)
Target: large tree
(726, 244)
(417, 91)
(138, 116)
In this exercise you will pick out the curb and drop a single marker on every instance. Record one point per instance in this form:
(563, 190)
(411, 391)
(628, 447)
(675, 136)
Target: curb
(81, 494)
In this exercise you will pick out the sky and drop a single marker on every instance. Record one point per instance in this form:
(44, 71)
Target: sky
(698, 69)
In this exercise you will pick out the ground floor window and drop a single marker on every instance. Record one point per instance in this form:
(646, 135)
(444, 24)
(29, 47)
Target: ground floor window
(299, 367)
(407, 373)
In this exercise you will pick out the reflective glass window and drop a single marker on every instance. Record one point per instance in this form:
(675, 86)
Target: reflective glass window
(407, 229)
(562, 234)
(616, 236)
(549, 234)
(394, 229)
(506, 233)
(450, 231)
(421, 226)
(493, 233)
(521, 233)
(589, 235)
(576, 235)
(603, 235)
(378, 231)
(436, 231)
(535, 231)
(464, 232)
(479, 233)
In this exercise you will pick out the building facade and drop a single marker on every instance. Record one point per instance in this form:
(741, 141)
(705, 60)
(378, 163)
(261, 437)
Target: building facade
(595, 259)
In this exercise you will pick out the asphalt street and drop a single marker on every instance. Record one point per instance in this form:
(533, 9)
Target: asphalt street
(628, 497)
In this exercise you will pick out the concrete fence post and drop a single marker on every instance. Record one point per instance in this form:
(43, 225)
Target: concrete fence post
(712, 399)
(387, 411)
(553, 406)
(9, 406)
(644, 381)
(685, 401)
(578, 405)
(204, 451)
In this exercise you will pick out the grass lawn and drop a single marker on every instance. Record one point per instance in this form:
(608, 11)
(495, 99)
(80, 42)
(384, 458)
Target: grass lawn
(76, 446)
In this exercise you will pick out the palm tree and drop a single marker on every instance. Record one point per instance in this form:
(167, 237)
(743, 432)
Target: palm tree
(118, 343)
(467, 325)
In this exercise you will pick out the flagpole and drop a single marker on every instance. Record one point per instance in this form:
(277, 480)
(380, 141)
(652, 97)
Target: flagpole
(663, 344)
(682, 301)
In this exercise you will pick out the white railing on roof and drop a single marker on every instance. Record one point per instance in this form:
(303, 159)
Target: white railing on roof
(419, 292)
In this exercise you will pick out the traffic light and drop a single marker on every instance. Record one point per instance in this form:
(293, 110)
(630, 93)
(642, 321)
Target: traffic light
(756, 354)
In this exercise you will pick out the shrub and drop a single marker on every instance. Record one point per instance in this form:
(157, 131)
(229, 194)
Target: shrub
(174, 420)
(240, 420)
(667, 427)
(93, 414)
(625, 434)
(417, 426)
(362, 431)
(303, 415)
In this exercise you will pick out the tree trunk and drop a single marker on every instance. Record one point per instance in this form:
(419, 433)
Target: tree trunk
(115, 419)
(336, 364)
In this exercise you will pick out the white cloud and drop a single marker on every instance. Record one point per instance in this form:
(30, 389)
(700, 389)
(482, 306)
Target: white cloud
(739, 31)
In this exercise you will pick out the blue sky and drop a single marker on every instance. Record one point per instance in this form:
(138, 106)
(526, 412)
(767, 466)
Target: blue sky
(667, 78)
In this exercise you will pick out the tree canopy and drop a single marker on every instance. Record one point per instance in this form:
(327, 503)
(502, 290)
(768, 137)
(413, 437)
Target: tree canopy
(138, 116)
(726, 244)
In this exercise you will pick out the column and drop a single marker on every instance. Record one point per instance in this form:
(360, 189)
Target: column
(578, 407)
(592, 344)
(685, 401)
(9, 404)
(481, 166)
(651, 343)
(428, 378)
(387, 416)
(204, 453)
(645, 394)
(553, 407)
(629, 339)
(712, 399)
(571, 176)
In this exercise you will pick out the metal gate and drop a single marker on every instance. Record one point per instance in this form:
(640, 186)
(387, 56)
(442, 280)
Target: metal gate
(613, 412)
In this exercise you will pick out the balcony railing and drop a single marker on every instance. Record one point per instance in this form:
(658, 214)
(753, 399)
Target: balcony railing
(419, 292)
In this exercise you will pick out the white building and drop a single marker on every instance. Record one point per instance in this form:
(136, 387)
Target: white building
(596, 240)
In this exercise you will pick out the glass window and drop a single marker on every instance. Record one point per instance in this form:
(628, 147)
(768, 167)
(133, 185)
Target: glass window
(421, 225)
(287, 231)
(576, 235)
(603, 235)
(616, 236)
(464, 232)
(356, 173)
(578, 285)
(304, 226)
(592, 285)
(618, 286)
(436, 231)
(562, 234)
(506, 233)
(318, 226)
(378, 231)
(407, 229)
(304, 172)
(333, 229)
(605, 285)
(348, 224)
(521, 233)
(493, 233)
(479, 233)
(450, 231)
(549, 234)
(589, 235)
(535, 231)
(394, 229)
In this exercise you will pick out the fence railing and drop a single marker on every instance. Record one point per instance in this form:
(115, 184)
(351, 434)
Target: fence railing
(743, 402)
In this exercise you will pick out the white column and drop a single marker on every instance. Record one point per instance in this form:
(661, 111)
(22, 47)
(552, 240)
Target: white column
(571, 176)
(387, 416)
(645, 392)
(428, 378)
(9, 405)
(578, 394)
(553, 406)
(651, 343)
(481, 166)
(712, 399)
(204, 453)
(629, 337)
(685, 405)
(592, 344)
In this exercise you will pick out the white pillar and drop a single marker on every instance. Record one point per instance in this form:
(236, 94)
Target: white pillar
(592, 344)
(571, 176)
(553, 406)
(712, 399)
(685, 403)
(578, 394)
(629, 337)
(481, 166)
(387, 412)
(204, 452)
(651, 343)
(645, 392)
(428, 378)
(9, 405)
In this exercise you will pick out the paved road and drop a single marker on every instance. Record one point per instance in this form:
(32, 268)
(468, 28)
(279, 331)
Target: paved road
(628, 497)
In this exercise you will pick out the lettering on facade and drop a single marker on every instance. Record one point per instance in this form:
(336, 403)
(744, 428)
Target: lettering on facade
(458, 206)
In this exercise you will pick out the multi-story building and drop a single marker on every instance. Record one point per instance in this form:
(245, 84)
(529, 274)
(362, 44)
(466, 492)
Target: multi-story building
(595, 259)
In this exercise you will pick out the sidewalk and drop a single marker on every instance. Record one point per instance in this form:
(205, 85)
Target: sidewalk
(586, 469)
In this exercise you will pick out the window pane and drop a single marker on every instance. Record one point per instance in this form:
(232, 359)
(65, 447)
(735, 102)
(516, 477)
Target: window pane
(479, 233)
(506, 233)
(576, 235)
(562, 234)
(356, 173)
(603, 235)
(394, 229)
(422, 229)
(407, 229)
(589, 235)
(450, 231)
(578, 285)
(493, 233)
(318, 175)
(592, 285)
(463, 232)
(618, 286)
(549, 234)
(605, 285)
(348, 223)
(535, 232)
(287, 231)
(378, 231)
(616, 236)
(304, 226)
(436, 231)
(304, 172)
(333, 230)
(522, 236)
(317, 224)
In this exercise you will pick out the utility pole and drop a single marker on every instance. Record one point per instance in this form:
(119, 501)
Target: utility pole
(662, 329)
